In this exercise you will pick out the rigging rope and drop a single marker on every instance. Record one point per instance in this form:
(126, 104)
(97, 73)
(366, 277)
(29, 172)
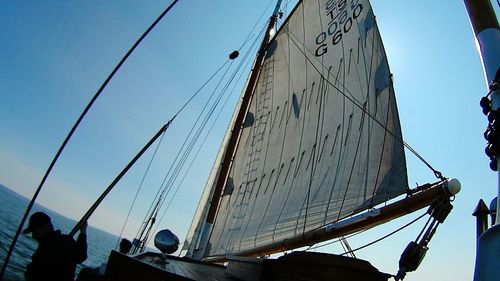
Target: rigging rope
(193, 140)
(186, 148)
(198, 91)
(388, 235)
(70, 134)
(371, 243)
(138, 190)
(312, 247)
(200, 130)
(208, 131)
(166, 186)
(347, 247)
(160, 194)
(243, 65)
(251, 33)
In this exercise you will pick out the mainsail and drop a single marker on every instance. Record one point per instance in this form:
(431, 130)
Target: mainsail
(321, 139)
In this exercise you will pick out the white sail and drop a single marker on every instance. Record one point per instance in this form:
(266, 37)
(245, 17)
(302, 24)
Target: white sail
(321, 140)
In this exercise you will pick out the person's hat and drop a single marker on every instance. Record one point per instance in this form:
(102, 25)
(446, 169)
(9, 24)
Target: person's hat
(36, 220)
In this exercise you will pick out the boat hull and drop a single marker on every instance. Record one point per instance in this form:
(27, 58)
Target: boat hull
(294, 266)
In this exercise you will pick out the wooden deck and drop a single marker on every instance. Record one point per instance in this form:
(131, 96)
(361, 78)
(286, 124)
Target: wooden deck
(191, 269)
(151, 266)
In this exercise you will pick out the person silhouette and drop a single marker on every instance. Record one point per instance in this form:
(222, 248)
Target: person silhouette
(57, 254)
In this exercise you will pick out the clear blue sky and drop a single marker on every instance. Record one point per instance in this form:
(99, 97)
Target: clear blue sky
(55, 54)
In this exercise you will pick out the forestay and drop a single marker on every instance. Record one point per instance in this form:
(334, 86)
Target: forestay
(322, 139)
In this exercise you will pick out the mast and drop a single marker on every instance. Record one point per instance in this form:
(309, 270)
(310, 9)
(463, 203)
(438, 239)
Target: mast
(486, 29)
(487, 32)
(235, 133)
(236, 130)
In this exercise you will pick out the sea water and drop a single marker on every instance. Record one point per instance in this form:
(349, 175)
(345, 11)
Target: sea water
(12, 208)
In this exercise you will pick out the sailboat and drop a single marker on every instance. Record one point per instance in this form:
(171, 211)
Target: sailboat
(314, 152)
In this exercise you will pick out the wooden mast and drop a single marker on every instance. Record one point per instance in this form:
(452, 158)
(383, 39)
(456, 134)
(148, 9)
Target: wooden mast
(486, 29)
(233, 141)
(238, 123)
